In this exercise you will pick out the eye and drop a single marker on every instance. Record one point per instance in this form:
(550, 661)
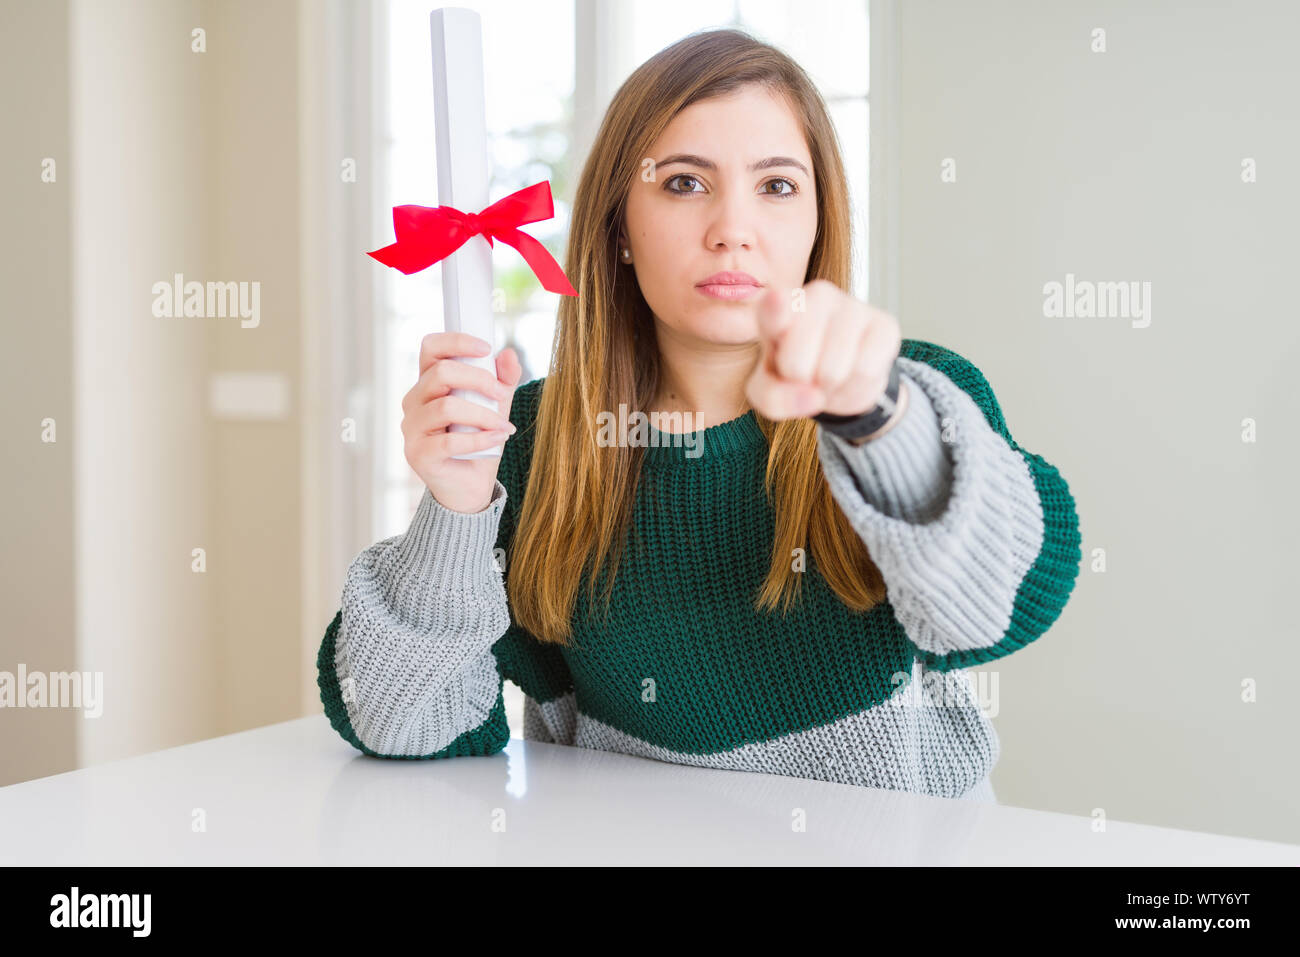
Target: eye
(685, 176)
(791, 192)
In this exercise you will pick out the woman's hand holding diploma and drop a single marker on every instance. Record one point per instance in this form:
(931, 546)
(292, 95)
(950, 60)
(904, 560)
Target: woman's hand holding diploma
(831, 354)
(462, 485)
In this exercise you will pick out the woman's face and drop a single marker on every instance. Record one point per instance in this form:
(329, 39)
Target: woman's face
(690, 218)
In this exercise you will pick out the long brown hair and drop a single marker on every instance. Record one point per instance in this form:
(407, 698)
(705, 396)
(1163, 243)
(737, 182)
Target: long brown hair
(577, 508)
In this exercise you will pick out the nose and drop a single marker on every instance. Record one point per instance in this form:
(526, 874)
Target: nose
(732, 224)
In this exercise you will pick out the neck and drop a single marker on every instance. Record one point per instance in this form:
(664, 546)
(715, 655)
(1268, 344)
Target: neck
(707, 382)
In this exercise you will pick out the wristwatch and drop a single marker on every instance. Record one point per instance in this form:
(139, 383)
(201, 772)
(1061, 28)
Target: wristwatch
(855, 427)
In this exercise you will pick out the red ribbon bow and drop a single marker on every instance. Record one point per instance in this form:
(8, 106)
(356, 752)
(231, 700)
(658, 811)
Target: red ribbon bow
(427, 234)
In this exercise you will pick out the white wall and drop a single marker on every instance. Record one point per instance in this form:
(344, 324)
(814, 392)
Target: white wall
(140, 194)
(168, 161)
(38, 573)
(1125, 165)
(250, 101)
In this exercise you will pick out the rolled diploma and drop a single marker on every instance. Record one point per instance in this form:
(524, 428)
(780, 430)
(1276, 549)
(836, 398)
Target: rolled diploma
(461, 136)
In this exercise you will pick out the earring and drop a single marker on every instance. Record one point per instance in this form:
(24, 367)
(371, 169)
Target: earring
(627, 254)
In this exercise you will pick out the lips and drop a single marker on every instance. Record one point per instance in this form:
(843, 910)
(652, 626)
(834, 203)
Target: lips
(729, 278)
(729, 286)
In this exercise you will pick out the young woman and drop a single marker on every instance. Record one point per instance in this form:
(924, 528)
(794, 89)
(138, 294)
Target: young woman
(776, 590)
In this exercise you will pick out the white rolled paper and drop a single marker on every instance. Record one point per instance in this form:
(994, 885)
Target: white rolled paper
(460, 130)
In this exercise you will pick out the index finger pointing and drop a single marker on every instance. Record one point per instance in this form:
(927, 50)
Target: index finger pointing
(774, 314)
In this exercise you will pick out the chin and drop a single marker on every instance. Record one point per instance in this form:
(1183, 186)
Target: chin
(726, 324)
(726, 337)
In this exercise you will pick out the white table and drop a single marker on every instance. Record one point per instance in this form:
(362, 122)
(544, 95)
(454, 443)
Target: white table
(296, 793)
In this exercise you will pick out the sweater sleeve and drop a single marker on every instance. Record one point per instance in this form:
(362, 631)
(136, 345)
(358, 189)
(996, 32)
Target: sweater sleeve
(976, 538)
(412, 666)
(406, 668)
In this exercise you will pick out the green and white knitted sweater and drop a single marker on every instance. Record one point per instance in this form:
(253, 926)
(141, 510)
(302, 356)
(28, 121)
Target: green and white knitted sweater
(977, 540)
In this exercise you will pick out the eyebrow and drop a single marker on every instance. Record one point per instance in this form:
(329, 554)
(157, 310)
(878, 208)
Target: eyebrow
(693, 160)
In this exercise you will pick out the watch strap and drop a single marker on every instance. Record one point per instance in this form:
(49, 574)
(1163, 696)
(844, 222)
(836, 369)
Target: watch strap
(858, 426)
